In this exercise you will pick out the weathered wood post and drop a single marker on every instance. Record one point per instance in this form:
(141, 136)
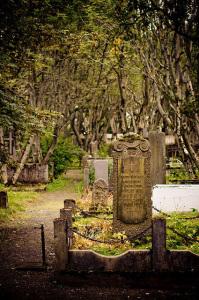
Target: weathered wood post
(159, 252)
(70, 204)
(3, 199)
(158, 157)
(60, 244)
(66, 213)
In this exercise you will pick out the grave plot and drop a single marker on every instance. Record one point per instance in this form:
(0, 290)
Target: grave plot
(76, 235)
(120, 225)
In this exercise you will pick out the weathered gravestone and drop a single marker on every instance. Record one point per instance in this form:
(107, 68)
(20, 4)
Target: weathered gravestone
(132, 207)
(99, 194)
(3, 199)
(101, 169)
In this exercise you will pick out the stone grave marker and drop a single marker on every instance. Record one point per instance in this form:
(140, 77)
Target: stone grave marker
(99, 194)
(132, 206)
(101, 169)
(3, 199)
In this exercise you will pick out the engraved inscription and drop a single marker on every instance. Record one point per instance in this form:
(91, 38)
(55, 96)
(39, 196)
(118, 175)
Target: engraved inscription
(131, 192)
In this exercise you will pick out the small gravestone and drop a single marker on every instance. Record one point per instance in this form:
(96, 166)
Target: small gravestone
(132, 207)
(3, 199)
(99, 194)
(101, 169)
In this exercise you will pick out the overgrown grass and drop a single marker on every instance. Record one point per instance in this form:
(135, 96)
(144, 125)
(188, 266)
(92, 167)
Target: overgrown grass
(102, 230)
(62, 183)
(17, 202)
(174, 175)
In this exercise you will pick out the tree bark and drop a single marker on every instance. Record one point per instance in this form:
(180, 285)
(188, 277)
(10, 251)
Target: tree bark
(52, 145)
(23, 160)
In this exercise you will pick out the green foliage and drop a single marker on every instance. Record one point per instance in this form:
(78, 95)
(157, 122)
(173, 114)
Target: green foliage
(58, 184)
(62, 183)
(91, 174)
(104, 150)
(102, 230)
(177, 174)
(17, 202)
(65, 155)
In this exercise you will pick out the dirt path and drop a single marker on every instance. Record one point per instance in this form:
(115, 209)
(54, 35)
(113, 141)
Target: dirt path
(20, 244)
(25, 233)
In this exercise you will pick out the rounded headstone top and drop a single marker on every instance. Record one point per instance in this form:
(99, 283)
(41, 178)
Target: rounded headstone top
(131, 141)
(100, 183)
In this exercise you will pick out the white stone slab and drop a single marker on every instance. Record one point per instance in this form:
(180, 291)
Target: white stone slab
(176, 197)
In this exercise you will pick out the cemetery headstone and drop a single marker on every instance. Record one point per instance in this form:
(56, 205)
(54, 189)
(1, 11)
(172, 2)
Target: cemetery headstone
(101, 169)
(99, 194)
(132, 207)
(3, 199)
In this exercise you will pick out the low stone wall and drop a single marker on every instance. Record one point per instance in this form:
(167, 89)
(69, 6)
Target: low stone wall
(88, 260)
(32, 173)
(135, 261)
(158, 259)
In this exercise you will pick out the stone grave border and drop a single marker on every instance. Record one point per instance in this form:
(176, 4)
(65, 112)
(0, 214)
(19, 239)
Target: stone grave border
(158, 259)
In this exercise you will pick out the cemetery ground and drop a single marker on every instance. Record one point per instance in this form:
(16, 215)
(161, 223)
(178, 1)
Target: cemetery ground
(21, 244)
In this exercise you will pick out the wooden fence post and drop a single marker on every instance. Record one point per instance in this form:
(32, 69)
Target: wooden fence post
(3, 199)
(67, 215)
(70, 204)
(159, 252)
(60, 244)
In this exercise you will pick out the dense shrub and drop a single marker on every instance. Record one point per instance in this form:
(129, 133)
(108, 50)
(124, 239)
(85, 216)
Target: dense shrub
(65, 155)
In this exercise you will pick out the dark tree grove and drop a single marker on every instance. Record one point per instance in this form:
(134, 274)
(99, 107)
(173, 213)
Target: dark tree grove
(97, 67)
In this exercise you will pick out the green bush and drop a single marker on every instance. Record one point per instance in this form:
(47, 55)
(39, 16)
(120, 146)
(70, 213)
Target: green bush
(104, 150)
(91, 174)
(65, 155)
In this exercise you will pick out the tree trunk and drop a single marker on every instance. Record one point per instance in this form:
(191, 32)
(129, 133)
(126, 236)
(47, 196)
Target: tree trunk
(52, 146)
(23, 160)
(4, 174)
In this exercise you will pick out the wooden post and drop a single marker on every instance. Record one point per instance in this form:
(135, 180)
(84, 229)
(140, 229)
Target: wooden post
(158, 157)
(70, 204)
(3, 199)
(159, 252)
(66, 213)
(60, 244)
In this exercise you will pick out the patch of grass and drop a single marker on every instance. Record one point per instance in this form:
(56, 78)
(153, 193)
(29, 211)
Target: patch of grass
(57, 184)
(62, 183)
(78, 187)
(17, 202)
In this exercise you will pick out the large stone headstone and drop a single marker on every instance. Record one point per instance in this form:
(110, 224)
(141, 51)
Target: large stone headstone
(99, 194)
(132, 207)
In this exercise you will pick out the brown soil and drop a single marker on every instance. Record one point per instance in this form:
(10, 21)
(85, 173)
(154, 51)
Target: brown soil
(21, 245)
